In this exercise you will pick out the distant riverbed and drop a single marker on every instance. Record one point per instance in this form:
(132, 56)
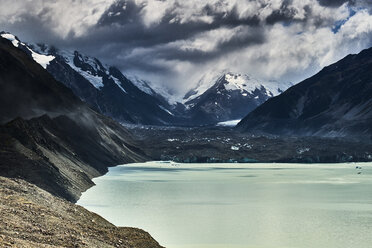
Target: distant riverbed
(240, 205)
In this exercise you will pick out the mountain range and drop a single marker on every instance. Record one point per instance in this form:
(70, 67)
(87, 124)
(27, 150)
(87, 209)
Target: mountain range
(336, 102)
(102, 87)
(131, 100)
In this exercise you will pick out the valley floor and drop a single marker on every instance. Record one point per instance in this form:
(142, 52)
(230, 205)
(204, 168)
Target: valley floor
(224, 144)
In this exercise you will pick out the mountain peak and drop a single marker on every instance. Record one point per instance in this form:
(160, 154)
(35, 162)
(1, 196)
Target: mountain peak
(229, 97)
(242, 82)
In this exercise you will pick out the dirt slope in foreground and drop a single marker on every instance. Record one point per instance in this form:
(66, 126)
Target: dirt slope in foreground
(32, 217)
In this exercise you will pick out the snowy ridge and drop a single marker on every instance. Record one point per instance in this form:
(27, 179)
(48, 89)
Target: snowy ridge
(11, 38)
(41, 55)
(41, 59)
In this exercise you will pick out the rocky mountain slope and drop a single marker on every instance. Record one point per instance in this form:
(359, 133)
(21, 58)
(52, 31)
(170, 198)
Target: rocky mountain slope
(337, 102)
(32, 217)
(48, 136)
(231, 97)
(103, 87)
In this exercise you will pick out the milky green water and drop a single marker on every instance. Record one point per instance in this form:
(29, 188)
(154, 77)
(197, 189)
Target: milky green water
(240, 205)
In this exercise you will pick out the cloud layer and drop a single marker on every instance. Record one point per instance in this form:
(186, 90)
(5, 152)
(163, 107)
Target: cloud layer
(174, 43)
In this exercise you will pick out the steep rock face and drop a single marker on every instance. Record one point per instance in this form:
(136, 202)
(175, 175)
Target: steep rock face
(48, 136)
(335, 102)
(231, 97)
(103, 87)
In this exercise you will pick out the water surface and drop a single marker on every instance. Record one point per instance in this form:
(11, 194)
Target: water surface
(240, 205)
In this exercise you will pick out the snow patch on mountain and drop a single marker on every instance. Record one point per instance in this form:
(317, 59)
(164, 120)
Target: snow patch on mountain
(166, 110)
(247, 84)
(41, 59)
(118, 83)
(95, 80)
(11, 38)
(231, 123)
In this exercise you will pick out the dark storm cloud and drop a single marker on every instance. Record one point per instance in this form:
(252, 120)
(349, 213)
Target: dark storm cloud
(121, 29)
(124, 21)
(164, 37)
(241, 39)
(284, 14)
(122, 13)
(26, 29)
(142, 63)
(335, 3)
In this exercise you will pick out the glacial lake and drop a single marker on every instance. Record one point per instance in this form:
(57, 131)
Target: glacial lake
(240, 205)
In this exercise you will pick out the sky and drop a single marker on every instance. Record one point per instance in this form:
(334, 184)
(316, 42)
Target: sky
(175, 43)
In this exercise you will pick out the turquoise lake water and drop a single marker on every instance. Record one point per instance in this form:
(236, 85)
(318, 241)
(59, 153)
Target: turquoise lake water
(240, 205)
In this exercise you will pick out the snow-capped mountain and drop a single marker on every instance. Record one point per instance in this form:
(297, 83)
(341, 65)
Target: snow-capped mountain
(103, 87)
(218, 97)
(231, 97)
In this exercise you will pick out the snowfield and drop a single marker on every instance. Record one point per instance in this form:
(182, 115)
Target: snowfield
(231, 123)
